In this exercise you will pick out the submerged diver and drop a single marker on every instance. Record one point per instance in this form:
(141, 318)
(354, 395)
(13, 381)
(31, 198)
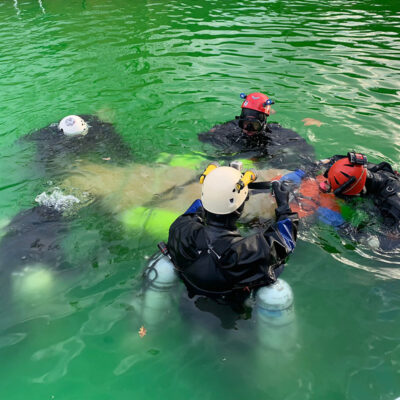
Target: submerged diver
(212, 257)
(348, 178)
(33, 238)
(250, 136)
(31, 244)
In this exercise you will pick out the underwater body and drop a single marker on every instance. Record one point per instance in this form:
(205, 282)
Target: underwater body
(160, 74)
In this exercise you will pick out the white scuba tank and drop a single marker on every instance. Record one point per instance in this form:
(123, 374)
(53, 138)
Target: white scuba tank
(160, 280)
(276, 326)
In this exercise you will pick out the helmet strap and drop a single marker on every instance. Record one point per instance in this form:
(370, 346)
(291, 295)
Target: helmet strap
(349, 185)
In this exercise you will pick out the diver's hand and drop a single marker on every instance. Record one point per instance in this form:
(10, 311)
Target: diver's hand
(281, 193)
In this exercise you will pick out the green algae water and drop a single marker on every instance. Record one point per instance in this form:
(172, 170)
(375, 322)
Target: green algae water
(161, 72)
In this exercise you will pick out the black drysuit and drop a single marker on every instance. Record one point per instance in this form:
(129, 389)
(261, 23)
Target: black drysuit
(282, 148)
(383, 185)
(214, 259)
(35, 235)
(55, 151)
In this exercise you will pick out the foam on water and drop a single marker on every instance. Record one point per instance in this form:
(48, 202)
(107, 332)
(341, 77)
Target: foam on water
(57, 200)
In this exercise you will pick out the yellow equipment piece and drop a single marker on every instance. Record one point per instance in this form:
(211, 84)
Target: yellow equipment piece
(248, 177)
(210, 168)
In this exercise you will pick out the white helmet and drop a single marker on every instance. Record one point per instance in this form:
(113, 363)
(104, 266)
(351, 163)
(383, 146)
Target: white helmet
(72, 125)
(220, 194)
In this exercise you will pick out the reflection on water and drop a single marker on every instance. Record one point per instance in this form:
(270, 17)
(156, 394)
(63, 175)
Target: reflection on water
(18, 10)
(380, 271)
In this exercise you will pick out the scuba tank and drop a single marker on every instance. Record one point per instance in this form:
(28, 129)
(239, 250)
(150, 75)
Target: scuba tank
(276, 327)
(160, 280)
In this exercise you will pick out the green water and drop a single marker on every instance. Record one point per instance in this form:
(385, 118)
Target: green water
(161, 72)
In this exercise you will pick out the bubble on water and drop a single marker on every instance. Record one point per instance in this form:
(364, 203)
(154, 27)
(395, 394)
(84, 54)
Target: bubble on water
(57, 200)
(373, 242)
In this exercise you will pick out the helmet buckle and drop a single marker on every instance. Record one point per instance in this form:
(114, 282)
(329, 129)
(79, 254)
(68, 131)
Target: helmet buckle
(325, 187)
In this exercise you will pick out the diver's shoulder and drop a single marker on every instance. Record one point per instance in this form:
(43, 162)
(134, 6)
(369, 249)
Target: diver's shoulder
(42, 134)
(221, 134)
(51, 131)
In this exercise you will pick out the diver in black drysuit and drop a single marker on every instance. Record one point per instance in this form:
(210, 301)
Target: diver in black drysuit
(216, 261)
(250, 136)
(382, 186)
(55, 151)
(35, 235)
(280, 147)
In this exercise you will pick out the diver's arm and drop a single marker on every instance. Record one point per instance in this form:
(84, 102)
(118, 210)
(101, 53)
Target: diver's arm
(184, 233)
(255, 258)
(375, 183)
(272, 246)
(384, 187)
(221, 135)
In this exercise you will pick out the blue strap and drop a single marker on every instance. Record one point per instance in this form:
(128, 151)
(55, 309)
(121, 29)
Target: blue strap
(295, 176)
(196, 205)
(285, 228)
(330, 217)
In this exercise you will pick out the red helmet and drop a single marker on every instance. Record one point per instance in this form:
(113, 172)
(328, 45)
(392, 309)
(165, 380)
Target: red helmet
(257, 101)
(347, 178)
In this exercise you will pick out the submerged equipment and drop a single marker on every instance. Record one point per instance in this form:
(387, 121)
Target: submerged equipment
(275, 316)
(73, 125)
(224, 188)
(153, 221)
(347, 176)
(189, 161)
(275, 303)
(160, 280)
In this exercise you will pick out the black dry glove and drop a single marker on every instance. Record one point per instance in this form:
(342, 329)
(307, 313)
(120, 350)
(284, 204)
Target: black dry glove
(281, 193)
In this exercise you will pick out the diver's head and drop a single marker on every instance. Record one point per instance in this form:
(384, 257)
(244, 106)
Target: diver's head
(73, 125)
(224, 191)
(255, 110)
(348, 175)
